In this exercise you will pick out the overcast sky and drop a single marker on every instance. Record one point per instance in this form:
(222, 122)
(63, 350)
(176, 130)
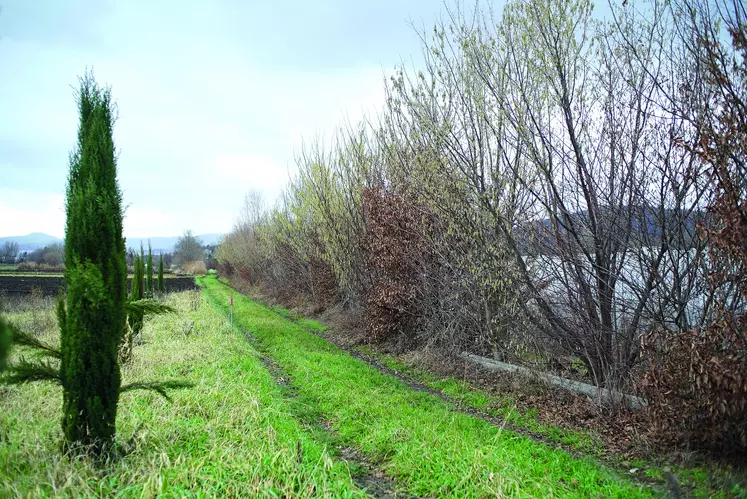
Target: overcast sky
(214, 97)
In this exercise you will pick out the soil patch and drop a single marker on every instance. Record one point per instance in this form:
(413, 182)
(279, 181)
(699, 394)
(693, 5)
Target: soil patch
(52, 285)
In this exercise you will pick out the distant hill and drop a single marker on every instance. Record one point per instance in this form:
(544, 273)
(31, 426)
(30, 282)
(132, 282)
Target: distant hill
(37, 240)
(647, 225)
(31, 241)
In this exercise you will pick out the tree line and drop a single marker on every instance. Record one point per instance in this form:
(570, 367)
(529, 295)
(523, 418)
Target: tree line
(188, 248)
(543, 184)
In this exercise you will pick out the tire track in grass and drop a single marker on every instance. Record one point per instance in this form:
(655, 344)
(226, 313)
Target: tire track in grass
(418, 385)
(364, 474)
(456, 404)
(421, 441)
(464, 407)
(662, 485)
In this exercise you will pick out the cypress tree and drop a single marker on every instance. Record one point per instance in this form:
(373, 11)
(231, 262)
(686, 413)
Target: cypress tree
(91, 316)
(6, 336)
(141, 270)
(161, 287)
(135, 318)
(92, 323)
(135, 285)
(149, 280)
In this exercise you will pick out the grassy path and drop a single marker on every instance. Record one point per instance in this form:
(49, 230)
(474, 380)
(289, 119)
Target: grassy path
(429, 448)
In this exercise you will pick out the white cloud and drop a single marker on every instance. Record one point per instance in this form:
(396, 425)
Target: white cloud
(201, 120)
(22, 212)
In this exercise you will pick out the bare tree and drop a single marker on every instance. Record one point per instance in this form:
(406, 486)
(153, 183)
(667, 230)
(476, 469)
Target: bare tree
(9, 252)
(696, 377)
(188, 248)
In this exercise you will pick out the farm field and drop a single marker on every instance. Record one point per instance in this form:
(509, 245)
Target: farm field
(275, 411)
(50, 284)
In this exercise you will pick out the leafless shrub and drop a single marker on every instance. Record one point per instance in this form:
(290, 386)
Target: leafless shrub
(697, 378)
(195, 268)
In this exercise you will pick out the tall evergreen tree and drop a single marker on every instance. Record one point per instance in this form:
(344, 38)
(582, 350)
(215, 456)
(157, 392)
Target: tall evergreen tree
(161, 287)
(141, 269)
(149, 271)
(92, 323)
(92, 315)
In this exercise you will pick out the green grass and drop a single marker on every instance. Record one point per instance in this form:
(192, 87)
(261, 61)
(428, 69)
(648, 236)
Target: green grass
(300, 320)
(713, 480)
(499, 405)
(233, 434)
(709, 482)
(418, 439)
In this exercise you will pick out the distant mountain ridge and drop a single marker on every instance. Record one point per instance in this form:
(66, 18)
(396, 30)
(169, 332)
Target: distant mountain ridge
(165, 244)
(32, 241)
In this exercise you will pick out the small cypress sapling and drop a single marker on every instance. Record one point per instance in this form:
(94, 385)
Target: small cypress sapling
(138, 306)
(6, 336)
(161, 287)
(6, 339)
(142, 272)
(135, 285)
(134, 319)
(149, 279)
(138, 287)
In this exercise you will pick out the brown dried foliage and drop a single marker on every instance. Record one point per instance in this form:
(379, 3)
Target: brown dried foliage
(696, 384)
(393, 249)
